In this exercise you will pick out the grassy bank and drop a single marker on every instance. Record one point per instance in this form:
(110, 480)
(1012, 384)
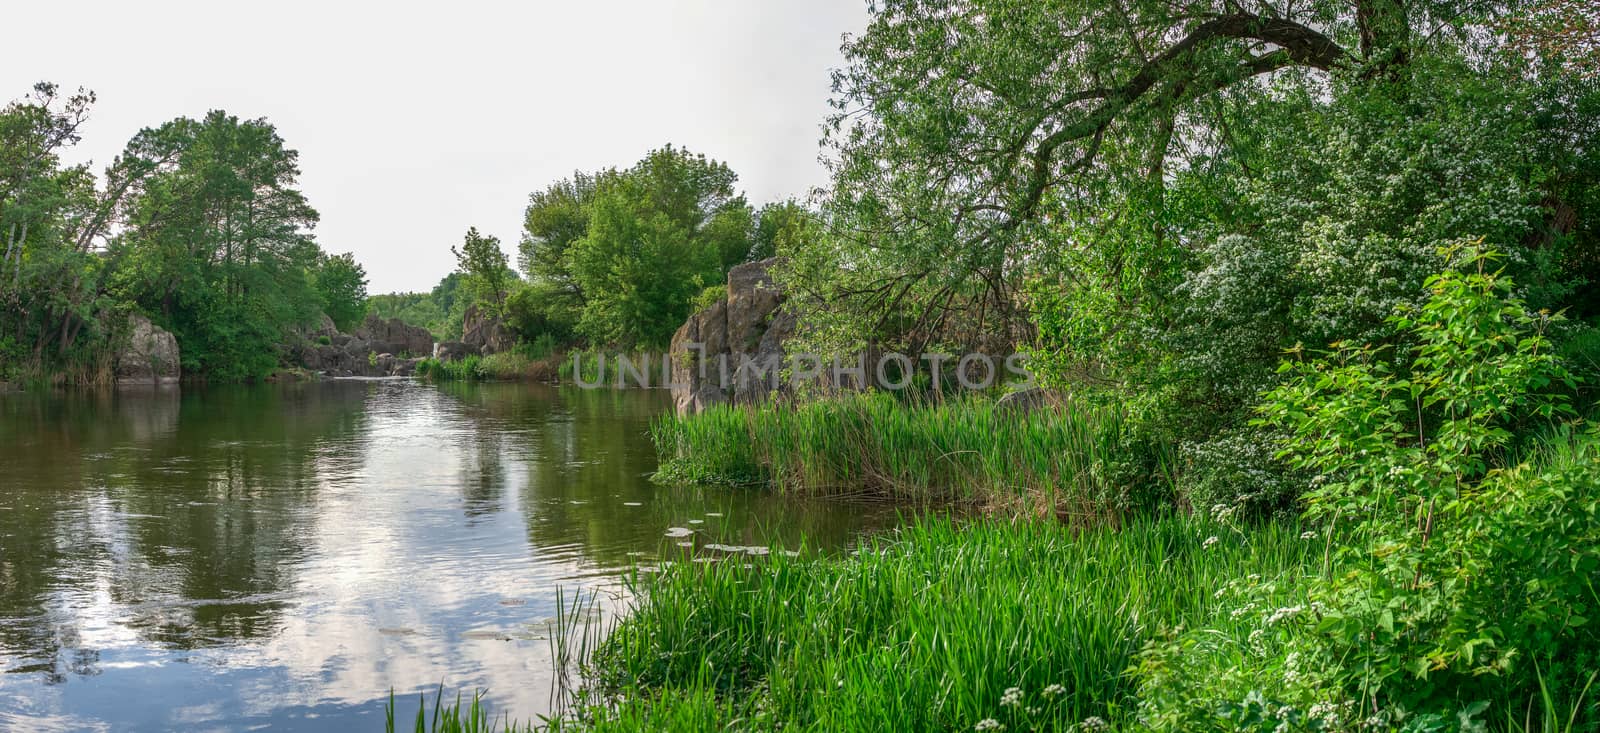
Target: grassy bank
(1081, 460)
(505, 366)
(939, 627)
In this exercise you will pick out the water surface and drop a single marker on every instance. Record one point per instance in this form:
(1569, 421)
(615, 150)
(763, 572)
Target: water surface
(280, 558)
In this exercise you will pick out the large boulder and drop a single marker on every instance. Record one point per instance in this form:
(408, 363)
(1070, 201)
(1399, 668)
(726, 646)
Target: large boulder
(149, 354)
(486, 333)
(732, 350)
(395, 336)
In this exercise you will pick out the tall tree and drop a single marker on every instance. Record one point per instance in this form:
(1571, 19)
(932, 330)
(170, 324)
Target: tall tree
(483, 269)
(219, 241)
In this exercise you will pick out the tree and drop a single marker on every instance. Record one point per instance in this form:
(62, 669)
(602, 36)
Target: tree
(657, 234)
(341, 285)
(483, 269)
(218, 243)
(555, 218)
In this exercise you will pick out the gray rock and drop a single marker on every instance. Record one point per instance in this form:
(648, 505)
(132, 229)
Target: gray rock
(453, 350)
(149, 354)
(746, 329)
(489, 335)
(395, 336)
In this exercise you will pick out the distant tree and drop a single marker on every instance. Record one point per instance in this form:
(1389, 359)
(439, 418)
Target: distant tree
(341, 285)
(482, 265)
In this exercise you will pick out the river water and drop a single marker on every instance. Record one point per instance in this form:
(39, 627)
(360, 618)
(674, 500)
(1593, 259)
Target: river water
(282, 557)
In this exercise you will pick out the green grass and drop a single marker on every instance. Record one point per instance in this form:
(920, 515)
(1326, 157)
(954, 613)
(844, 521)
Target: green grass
(1081, 459)
(924, 630)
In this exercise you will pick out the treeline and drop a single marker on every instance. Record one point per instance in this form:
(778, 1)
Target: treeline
(198, 225)
(615, 257)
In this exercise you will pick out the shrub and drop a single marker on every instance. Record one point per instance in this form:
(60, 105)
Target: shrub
(1461, 579)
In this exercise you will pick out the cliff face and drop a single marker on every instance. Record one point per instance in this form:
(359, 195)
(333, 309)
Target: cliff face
(713, 351)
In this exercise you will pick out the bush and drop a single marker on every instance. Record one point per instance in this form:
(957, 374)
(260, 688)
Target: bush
(1464, 578)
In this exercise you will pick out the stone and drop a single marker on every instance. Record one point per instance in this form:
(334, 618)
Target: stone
(148, 356)
(488, 334)
(394, 336)
(748, 326)
(453, 351)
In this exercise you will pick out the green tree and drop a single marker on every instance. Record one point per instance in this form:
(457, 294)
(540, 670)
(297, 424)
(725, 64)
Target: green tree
(218, 242)
(484, 274)
(555, 218)
(658, 234)
(341, 285)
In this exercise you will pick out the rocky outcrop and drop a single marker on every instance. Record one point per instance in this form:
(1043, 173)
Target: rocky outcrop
(394, 336)
(148, 356)
(378, 348)
(488, 334)
(731, 351)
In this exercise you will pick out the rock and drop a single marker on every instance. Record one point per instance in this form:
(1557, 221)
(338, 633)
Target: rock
(148, 356)
(394, 336)
(713, 352)
(453, 351)
(489, 335)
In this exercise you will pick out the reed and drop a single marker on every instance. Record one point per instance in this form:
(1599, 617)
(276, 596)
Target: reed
(1082, 459)
(928, 629)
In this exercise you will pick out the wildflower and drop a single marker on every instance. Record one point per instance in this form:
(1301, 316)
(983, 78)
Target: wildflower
(1308, 535)
(1032, 711)
(1212, 540)
(1094, 722)
(1012, 697)
(1285, 613)
(989, 724)
(1054, 690)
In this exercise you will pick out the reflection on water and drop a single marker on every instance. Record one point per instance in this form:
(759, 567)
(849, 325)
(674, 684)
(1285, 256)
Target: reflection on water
(282, 557)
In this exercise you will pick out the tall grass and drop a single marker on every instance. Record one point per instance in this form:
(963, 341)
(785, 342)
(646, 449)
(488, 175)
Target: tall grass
(927, 630)
(1084, 459)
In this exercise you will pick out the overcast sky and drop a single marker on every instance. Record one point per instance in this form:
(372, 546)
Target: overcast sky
(415, 121)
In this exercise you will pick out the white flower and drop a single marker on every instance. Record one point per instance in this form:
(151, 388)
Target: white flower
(1212, 540)
(1054, 690)
(1308, 535)
(1287, 612)
(1093, 723)
(989, 724)
(1012, 698)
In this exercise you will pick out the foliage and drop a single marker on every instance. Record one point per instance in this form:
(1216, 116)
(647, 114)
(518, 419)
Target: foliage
(540, 310)
(617, 257)
(218, 245)
(1466, 569)
(341, 285)
(712, 295)
(440, 310)
(485, 278)
(658, 234)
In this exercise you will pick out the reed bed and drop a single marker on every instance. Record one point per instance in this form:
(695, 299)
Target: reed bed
(938, 627)
(1081, 459)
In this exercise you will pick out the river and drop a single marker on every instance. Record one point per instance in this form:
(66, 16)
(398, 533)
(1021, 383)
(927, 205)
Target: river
(282, 557)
